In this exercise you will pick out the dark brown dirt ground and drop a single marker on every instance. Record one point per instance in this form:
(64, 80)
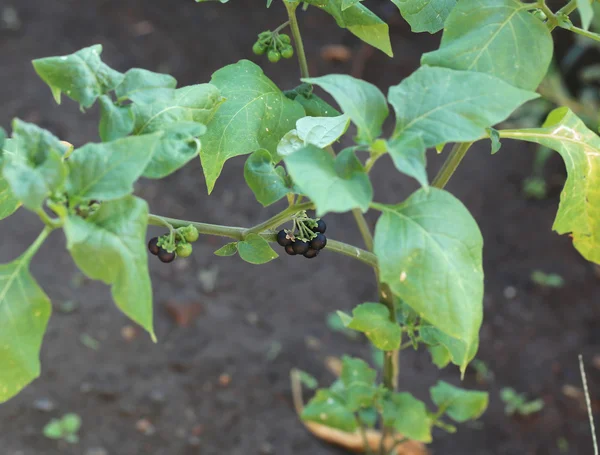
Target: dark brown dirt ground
(259, 322)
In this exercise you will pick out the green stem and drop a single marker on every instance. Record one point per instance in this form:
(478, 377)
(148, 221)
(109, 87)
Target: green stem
(585, 33)
(49, 222)
(279, 219)
(281, 27)
(291, 10)
(363, 227)
(456, 155)
(391, 365)
(35, 246)
(552, 21)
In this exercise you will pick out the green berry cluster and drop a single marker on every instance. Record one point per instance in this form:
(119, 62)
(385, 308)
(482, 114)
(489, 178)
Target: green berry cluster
(275, 44)
(175, 244)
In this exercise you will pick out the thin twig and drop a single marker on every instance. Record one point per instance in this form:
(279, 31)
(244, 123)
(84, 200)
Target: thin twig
(588, 403)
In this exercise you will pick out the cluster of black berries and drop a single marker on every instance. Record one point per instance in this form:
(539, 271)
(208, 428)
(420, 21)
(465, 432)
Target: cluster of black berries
(310, 249)
(183, 249)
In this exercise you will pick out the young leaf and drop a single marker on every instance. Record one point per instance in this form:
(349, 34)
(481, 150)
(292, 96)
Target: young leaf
(322, 131)
(408, 155)
(408, 416)
(53, 429)
(229, 249)
(373, 319)
(456, 349)
(110, 245)
(497, 37)
(495, 140)
(360, 21)
(35, 167)
(267, 182)
(24, 314)
(290, 143)
(145, 87)
(330, 410)
(429, 250)
(71, 423)
(108, 171)
(361, 101)
(460, 404)
(255, 116)
(445, 105)
(256, 250)
(333, 185)
(586, 11)
(82, 76)
(115, 121)
(425, 15)
(579, 209)
(359, 381)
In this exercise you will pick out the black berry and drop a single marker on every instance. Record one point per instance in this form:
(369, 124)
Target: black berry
(319, 242)
(289, 249)
(321, 227)
(300, 246)
(282, 238)
(153, 246)
(165, 256)
(311, 253)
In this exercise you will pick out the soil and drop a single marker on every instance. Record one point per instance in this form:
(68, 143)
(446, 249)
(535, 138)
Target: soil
(220, 385)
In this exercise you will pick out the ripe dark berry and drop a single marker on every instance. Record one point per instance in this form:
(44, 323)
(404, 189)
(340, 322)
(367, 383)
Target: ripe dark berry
(319, 242)
(321, 227)
(300, 246)
(311, 253)
(289, 249)
(153, 246)
(165, 256)
(282, 238)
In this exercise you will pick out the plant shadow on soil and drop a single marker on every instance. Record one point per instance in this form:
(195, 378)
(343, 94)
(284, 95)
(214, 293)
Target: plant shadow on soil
(221, 385)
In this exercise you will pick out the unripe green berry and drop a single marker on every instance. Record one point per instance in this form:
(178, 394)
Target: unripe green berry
(190, 234)
(285, 38)
(259, 48)
(274, 56)
(184, 250)
(287, 52)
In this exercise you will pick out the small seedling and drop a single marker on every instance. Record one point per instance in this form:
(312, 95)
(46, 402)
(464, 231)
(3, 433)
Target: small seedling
(517, 403)
(547, 280)
(65, 428)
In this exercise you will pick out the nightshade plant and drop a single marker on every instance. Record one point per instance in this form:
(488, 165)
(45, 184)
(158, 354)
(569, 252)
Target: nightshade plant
(426, 251)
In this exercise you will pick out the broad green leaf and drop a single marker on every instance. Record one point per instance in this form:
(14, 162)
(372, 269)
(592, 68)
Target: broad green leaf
(497, 37)
(408, 416)
(35, 168)
(24, 314)
(316, 107)
(255, 116)
(229, 249)
(82, 76)
(256, 250)
(360, 21)
(429, 250)
(445, 105)
(145, 87)
(359, 381)
(110, 245)
(361, 101)
(459, 404)
(579, 209)
(115, 121)
(440, 356)
(586, 11)
(267, 182)
(457, 350)
(425, 15)
(330, 410)
(8, 202)
(333, 185)
(373, 319)
(322, 131)
(108, 171)
(408, 155)
(289, 143)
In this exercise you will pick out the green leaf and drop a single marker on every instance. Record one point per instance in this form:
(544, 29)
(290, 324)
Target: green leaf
(408, 155)
(425, 15)
(359, 381)
(267, 182)
(408, 416)
(316, 107)
(110, 245)
(333, 185)
(348, 3)
(82, 76)
(440, 356)
(53, 429)
(430, 254)
(445, 105)
(495, 140)
(497, 37)
(24, 313)
(145, 87)
(8, 202)
(361, 101)
(322, 131)
(290, 143)
(579, 209)
(256, 250)
(460, 405)
(35, 168)
(255, 116)
(327, 408)
(108, 171)
(229, 249)
(373, 319)
(71, 423)
(360, 21)
(456, 349)
(115, 121)
(586, 11)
